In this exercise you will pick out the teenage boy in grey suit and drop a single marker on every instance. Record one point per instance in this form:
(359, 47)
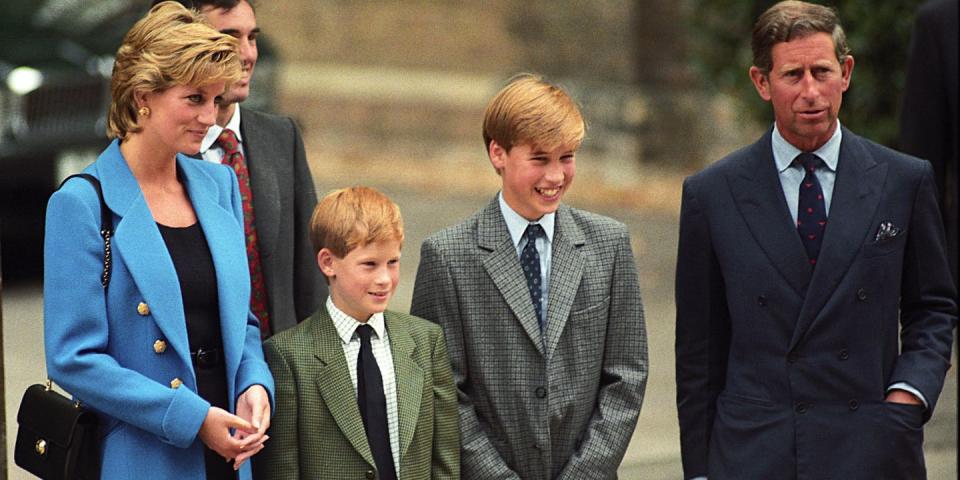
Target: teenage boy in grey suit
(545, 329)
(279, 194)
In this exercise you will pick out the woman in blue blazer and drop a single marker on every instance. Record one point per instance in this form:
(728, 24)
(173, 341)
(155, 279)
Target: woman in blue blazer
(168, 349)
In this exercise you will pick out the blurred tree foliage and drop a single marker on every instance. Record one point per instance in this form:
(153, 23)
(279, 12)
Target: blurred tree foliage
(878, 34)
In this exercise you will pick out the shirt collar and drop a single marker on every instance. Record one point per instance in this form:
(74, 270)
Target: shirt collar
(346, 325)
(784, 152)
(214, 131)
(516, 224)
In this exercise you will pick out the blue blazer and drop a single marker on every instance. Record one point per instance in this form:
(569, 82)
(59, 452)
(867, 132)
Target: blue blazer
(782, 368)
(124, 351)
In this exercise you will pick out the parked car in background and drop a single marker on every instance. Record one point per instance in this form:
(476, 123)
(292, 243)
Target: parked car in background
(56, 58)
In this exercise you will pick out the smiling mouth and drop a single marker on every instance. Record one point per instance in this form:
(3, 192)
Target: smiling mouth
(549, 192)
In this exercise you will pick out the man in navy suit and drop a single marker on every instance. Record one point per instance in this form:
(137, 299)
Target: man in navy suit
(815, 306)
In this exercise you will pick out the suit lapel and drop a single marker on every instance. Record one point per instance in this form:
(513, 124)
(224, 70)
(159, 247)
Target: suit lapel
(566, 270)
(756, 187)
(335, 387)
(856, 195)
(503, 266)
(138, 242)
(409, 380)
(260, 160)
(226, 243)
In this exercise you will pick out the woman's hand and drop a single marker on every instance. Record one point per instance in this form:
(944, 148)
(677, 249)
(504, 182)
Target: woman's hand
(254, 407)
(215, 433)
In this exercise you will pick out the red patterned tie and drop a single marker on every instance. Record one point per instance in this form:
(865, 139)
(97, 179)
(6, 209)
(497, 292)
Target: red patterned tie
(233, 158)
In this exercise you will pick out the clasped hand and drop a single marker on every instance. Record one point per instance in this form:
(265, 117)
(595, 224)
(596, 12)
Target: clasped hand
(250, 425)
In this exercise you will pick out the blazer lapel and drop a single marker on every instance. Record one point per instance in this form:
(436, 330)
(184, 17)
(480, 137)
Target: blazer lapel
(335, 387)
(503, 266)
(259, 151)
(856, 195)
(566, 271)
(226, 242)
(138, 242)
(409, 380)
(759, 196)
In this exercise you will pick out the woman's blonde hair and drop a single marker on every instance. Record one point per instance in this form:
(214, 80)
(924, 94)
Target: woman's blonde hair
(170, 46)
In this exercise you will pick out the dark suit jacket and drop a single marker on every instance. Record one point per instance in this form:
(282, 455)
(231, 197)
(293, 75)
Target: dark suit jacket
(317, 432)
(782, 369)
(283, 200)
(928, 121)
(559, 405)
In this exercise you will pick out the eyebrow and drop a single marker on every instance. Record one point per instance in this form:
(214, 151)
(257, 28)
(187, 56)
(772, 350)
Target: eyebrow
(235, 32)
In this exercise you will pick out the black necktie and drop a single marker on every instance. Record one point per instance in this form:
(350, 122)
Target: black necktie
(373, 405)
(811, 210)
(530, 261)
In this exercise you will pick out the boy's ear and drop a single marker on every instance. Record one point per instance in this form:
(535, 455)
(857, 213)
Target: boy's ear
(325, 262)
(498, 155)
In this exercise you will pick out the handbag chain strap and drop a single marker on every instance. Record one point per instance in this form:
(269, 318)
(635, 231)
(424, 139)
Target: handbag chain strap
(106, 231)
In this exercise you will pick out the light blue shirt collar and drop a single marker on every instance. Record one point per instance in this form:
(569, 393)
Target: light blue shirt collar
(517, 225)
(784, 152)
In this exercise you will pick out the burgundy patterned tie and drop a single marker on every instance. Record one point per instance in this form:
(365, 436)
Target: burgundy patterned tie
(233, 158)
(811, 209)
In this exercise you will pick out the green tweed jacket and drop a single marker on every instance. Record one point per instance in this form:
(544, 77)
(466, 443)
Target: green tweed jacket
(316, 431)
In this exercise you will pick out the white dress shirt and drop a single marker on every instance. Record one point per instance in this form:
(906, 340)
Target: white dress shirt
(380, 342)
(209, 148)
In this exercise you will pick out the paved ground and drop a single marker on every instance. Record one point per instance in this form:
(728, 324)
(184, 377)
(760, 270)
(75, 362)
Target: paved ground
(654, 451)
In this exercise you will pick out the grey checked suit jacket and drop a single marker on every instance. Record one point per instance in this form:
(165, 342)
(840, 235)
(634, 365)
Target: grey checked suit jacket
(561, 405)
(283, 201)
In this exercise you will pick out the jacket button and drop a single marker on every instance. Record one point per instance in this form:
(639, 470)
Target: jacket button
(861, 294)
(371, 475)
(844, 354)
(143, 309)
(175, 383)
(541, 392)
(762, 300)
(801, 408)
(792, 357)
(159, 346)
(854, 404)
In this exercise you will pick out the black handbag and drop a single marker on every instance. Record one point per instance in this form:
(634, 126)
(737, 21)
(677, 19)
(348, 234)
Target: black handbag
(57, 438)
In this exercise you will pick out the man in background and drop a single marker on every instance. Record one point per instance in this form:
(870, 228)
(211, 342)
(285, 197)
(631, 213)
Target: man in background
(266, 151)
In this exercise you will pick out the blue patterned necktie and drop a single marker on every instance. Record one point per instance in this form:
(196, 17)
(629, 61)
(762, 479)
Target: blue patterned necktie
(530, 261)
(811, 210)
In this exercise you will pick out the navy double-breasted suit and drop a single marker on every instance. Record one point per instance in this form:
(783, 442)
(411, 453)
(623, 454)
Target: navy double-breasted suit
(782, 367)
(124, 352)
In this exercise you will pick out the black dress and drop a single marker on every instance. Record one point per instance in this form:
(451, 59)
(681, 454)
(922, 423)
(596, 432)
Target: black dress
(198, 288)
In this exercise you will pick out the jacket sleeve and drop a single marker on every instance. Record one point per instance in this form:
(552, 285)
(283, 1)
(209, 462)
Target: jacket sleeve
(280, 458)
(309, 288)
(435, 299)
(702, 334)
(76, 331)
(446, 424)
(928, 299)
(624, 376)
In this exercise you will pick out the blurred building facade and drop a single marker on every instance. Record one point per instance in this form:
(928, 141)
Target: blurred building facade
(411, 79)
